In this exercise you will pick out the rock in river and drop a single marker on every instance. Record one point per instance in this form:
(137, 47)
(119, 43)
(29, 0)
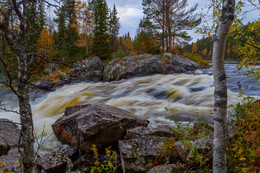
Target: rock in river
(99, 124)
(142, 65)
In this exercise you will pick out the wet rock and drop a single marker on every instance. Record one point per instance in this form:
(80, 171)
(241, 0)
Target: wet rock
(112, 73)
(92, 64)
(9, 136)
(36, 94)
(164, 169)
(11, 161)
(170, 69)
(89, 69)
(137, 155)
(161, 130)
(142, 65)
(179, 61)
(94, 75)
(99, 124)
(202, 145)
(46, 86)
(55, 162)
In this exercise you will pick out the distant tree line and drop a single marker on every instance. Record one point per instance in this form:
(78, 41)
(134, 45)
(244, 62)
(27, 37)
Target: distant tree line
(236, 47)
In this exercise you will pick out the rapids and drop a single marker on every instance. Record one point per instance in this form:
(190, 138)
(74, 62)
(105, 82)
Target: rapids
(158, 98)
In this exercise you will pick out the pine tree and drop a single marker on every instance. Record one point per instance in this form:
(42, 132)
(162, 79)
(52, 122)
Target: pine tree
(72, 33)
(114, 27)
(170, 19)
(146, 40)
(101, 41)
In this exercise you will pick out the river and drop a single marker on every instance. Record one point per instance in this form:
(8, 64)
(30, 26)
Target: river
(158, 98)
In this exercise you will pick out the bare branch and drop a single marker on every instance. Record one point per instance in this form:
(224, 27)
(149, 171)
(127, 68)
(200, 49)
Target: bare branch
(3, 121)
(3, 107)
(44, 59)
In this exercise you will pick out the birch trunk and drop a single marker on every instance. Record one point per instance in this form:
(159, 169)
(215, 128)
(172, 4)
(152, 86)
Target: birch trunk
(220, 95)
(25, 111)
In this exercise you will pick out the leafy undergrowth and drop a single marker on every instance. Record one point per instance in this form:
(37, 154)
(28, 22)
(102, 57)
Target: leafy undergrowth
(109, 165)
(198, 59)
(198, 162)
(243, 149)
(243, 152)
(54, 76)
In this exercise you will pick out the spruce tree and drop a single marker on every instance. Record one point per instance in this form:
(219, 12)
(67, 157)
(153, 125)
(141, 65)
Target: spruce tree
(35, 21)
(67, 34)
(71, 31)
(114, 27)
(101, 41)
(60, 36)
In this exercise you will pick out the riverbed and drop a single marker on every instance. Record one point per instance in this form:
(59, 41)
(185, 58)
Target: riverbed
(162, 99)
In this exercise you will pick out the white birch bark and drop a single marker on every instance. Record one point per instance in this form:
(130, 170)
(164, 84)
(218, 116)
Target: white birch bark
(220, 95)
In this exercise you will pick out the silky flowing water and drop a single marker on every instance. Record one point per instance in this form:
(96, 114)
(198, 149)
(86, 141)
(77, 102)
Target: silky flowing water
(162, 99)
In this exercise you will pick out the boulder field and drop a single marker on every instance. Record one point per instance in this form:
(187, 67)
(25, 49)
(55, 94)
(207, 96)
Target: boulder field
(93, 70)
(124, 68)
(138, 145)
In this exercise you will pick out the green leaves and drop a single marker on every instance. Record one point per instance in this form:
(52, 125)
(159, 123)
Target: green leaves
(243, 148)
(109, 165)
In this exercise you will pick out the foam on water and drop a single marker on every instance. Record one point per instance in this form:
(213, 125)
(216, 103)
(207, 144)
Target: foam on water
(159, 98)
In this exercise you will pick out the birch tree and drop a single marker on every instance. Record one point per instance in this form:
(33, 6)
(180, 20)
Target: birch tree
(220, 96)
(14, 27)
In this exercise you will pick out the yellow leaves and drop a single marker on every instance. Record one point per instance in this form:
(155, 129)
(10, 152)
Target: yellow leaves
(194, 48)
(5, 171)
(81, 42)
(209, 33)
(191, 24)
(2, 164)
(73, 25)
(242, 158)
(45, 46)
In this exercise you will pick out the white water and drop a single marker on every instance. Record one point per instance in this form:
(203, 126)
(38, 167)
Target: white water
(159, 98)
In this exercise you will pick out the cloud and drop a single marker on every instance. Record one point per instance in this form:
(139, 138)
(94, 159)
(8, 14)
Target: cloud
(129, 15)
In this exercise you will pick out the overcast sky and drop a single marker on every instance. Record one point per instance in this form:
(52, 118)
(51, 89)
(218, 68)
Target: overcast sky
(131, 11)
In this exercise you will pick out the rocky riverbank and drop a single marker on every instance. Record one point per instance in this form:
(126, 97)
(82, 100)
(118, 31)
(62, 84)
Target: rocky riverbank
(93, 70)
(81, 127)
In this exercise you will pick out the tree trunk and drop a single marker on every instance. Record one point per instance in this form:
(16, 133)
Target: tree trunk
(220, 95)
(25, 111)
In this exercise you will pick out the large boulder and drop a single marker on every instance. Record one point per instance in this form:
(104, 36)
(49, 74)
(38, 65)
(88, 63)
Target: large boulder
(93, 63)
(142, 65)
(161, 131)
(99, 124)
(9, 136)
(137, 155)
(179, 61)
(164, 169)
(202, 146)
(55, 162)
(89, 69)
(10, 161)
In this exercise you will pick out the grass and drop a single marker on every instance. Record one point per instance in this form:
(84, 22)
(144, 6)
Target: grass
(198, 59)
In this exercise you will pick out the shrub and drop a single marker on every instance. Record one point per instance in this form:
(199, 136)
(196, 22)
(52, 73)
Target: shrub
(109, 165)
(198, 59)
(243, 152)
